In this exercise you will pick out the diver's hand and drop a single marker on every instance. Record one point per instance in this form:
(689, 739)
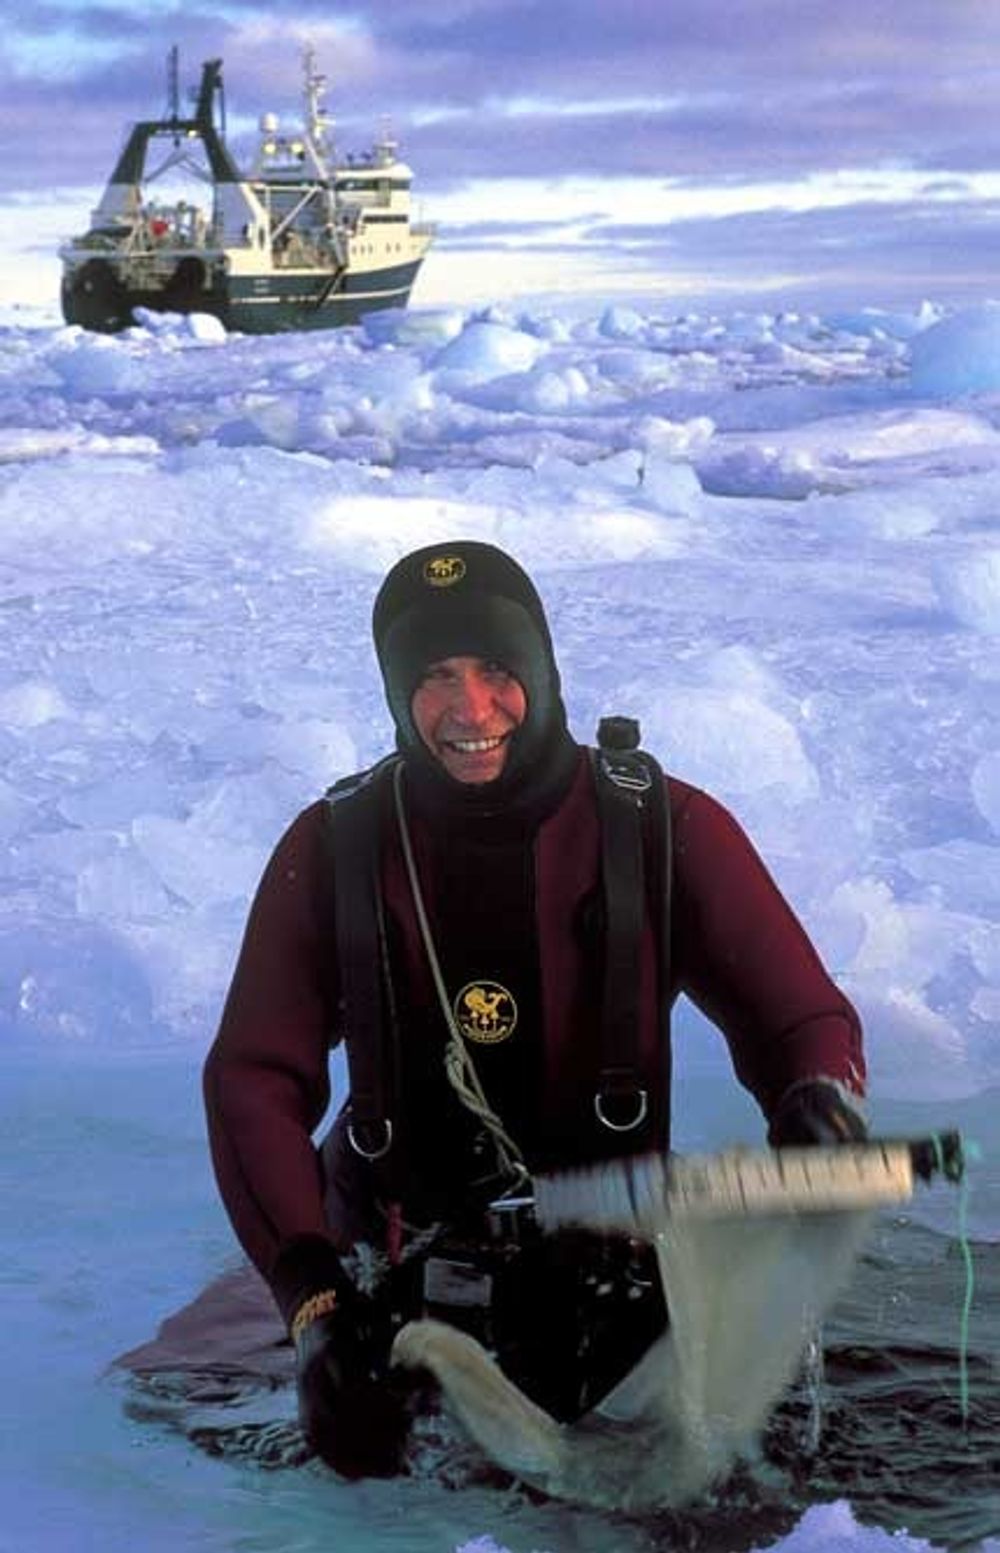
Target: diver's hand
(353, 1414)
(816, 1111)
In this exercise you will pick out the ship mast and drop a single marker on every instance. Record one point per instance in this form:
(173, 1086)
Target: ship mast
(173, 84)
(318, 122)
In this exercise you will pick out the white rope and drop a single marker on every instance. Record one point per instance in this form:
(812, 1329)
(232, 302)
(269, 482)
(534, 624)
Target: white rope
(458, 1063)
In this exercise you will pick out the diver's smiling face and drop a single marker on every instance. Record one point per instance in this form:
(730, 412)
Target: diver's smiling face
(465, 710)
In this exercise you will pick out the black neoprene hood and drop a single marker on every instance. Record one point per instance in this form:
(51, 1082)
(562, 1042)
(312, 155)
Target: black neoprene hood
(464, 598)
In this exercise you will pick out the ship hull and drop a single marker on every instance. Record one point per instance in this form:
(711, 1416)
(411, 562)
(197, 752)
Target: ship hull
(97, 298)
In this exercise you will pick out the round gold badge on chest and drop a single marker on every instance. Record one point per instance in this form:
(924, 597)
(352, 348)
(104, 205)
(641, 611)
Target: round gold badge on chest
(485, 1012)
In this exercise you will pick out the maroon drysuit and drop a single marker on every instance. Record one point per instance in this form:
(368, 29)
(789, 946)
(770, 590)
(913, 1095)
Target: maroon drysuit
(738, 952)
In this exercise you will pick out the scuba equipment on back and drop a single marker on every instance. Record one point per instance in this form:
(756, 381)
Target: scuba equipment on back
(635, 868)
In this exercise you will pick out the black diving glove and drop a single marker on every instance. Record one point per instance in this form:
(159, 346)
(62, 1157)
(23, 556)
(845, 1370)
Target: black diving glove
(815, 1111)
(353, 1413)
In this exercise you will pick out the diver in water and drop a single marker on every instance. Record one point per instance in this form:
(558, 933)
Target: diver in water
(496, 920)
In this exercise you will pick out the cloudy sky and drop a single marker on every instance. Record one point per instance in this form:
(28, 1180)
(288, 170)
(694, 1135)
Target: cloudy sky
(792, 149)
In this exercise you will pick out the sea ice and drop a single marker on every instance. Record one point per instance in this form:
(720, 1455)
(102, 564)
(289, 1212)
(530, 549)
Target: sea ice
(730, 742)
(72, 982)
(622, 323)
(101, 365)
(31, 702)
(199, 867)
(186, 663)
(370, 532)
(965, 872)
(416, 327)
(832, 1528)
(920, 1054)
(488, 350)
(788, 475)
(968, 586)
(15, 810)
(121, 888)
(985, 784)
(547, 392)
(669, 483)
(199, 328)
(959, 354)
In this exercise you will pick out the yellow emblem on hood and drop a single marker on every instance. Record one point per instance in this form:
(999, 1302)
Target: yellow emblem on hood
(443, 570)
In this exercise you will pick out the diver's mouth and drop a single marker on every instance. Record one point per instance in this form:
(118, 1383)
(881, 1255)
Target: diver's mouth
(475, 746)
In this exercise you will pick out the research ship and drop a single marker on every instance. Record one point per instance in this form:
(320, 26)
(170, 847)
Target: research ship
(302, 240)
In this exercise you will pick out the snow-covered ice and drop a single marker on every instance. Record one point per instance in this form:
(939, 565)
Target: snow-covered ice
(773, 538)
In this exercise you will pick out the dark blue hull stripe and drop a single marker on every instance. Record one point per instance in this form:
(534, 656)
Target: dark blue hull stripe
(305, 286)
(268, 304)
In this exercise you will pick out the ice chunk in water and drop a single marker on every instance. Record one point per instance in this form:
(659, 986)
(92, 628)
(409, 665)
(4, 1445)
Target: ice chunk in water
(71, 981)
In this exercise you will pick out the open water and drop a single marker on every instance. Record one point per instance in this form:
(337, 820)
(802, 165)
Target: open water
(114, 1224)
(899, 1437)
(896, 1423)
(901, 1418)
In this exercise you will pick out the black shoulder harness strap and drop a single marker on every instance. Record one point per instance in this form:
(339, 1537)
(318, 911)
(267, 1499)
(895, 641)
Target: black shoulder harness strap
(631, 799)
(630, 791)
(367, 1005)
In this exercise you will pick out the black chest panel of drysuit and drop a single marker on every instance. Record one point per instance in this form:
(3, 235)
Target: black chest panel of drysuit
(480, 899)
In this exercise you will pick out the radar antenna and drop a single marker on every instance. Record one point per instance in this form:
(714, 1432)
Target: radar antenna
(387, 146)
